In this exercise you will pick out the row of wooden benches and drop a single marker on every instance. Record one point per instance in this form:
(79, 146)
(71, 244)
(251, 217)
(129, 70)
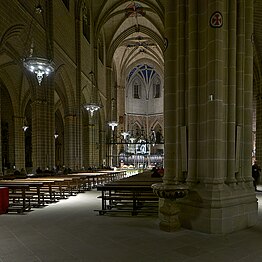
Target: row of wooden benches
(39, 191)
(132, 195)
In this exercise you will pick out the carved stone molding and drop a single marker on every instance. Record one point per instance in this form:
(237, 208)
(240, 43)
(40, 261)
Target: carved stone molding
(171, 192)
(168, 210)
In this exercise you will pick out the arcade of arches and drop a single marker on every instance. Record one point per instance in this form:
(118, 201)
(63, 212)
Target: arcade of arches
(179, 82)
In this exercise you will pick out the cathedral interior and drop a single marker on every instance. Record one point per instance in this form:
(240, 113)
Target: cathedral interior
(89, 84)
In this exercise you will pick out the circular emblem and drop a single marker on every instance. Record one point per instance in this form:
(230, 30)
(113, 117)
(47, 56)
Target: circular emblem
(216, 20)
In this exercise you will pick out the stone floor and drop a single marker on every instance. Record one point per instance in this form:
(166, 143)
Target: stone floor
(70, 230)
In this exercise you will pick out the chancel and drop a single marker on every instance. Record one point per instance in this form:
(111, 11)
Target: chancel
(98, 95)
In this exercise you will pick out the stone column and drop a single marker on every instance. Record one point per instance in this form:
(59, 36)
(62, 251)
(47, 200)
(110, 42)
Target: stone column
(85, 145)
(213, 96)
(248, 94)
(39, 153)
(93, 142)
(109, 111)
(192, 92)
(78, 132)
(91, 157)
(43, 142)
(240, 81)
(223, 201)
(19, 142)
(96, 142)
(70, 142)
(170, 95)
(174, 108)
(232, 159)
(259, 129)
(109, 96)
(214, 113)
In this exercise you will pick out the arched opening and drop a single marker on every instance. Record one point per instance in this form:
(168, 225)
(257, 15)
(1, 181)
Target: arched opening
(7, 131)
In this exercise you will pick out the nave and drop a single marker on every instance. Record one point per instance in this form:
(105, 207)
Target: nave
(70, 230)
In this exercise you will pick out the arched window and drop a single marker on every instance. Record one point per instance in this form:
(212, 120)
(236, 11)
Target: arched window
(86, 23)
(136, 89)
(156, 87)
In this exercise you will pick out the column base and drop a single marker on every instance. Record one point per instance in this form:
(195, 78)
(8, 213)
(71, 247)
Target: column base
(219, 211)
(169, 215)
(169, 210)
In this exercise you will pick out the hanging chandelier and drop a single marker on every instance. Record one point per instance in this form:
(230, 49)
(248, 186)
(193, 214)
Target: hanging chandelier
(92, 106)
(25, 128)
(125, 134)
(38, 65)
(56, 135)
(113, 124)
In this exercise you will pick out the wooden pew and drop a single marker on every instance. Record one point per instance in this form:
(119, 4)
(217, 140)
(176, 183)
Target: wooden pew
(131, 194)
(19, 201)
(113, 175)
(34, 191)
(49, 187)
(92, 179)
(62, 186)
(54, 186)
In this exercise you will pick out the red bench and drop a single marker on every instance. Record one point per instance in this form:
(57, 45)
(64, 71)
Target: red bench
(4, 199)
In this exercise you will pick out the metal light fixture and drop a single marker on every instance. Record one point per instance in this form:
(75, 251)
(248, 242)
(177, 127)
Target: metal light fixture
(92, 106)
(125, 134)
(113, 124)
(38, 65)
(25, 126)
(56, 135)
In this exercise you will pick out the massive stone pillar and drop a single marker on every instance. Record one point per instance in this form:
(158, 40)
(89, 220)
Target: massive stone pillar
(19, 142)
(43, 119)
(174, 108)
(208, 116)
(70, 141)
(111, 114)
(259, 129)
(43, 141)
(78, 162)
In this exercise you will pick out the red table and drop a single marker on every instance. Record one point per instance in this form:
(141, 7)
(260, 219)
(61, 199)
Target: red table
(4, 199)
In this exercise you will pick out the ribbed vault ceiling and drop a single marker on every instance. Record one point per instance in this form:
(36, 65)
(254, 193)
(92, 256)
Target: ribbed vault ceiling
(131, 37)
(133, 31)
